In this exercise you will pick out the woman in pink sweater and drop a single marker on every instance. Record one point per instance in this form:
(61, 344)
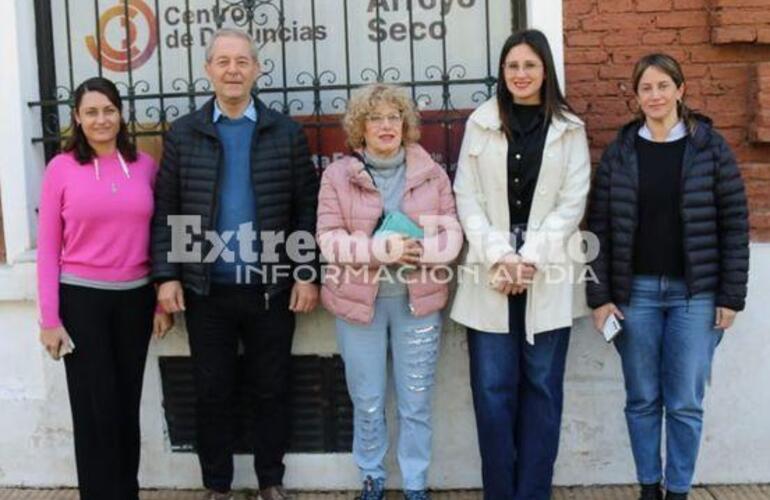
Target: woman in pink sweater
(94, 287)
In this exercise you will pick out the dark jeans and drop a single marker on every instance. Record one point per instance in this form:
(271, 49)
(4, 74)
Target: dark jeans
(111, 331)
(517, 397)
(216, 323)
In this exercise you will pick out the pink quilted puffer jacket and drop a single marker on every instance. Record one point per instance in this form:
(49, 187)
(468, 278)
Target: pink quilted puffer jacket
(349, 207)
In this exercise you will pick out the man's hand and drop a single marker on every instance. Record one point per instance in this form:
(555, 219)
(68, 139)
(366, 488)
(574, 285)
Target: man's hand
(304, 297)
(161, 324)
(171, 296)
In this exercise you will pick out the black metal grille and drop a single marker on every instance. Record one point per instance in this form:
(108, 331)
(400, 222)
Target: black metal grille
(321, 411)
(446, 89)
(155, 95)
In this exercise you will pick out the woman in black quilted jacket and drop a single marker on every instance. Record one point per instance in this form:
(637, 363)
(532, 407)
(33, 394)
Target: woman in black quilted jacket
(669, 209)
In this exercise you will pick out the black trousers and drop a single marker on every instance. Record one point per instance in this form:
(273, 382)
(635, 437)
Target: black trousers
(111, 331)
(216, 323)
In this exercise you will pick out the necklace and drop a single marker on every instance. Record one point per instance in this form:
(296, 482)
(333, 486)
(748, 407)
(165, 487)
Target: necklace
(123, 167)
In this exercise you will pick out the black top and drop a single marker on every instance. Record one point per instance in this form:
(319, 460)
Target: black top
(659, 240)
(525, 154)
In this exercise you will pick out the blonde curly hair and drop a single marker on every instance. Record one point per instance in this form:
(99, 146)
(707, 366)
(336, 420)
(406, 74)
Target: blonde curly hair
(363, 103)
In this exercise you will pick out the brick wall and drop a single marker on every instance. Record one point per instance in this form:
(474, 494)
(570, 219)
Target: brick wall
(728, 78)
(736, 21)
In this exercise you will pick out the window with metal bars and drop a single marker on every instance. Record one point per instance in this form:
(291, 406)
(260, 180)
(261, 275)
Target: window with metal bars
(314, 54)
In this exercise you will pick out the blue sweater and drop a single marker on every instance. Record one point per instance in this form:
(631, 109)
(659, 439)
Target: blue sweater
(236, 200)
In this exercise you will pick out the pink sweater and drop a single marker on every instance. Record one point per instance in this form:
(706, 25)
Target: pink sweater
(92, 228)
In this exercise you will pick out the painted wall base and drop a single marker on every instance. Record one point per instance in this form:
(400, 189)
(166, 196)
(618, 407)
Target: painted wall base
(36, 445)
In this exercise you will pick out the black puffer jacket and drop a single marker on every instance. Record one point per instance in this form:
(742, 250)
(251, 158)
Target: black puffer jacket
(283, 177)
(714, 218)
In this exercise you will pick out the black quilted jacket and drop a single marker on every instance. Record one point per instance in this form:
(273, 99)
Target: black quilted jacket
(714, 217)
(283, 177)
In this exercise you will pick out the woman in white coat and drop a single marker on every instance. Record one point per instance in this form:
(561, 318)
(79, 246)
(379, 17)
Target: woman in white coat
(522, 181)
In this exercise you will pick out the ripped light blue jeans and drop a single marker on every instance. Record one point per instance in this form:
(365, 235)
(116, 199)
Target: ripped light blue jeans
(413, 343)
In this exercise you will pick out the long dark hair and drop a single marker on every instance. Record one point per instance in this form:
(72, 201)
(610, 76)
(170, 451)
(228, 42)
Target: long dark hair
(671, 67)
(78, 143)
(554, 102)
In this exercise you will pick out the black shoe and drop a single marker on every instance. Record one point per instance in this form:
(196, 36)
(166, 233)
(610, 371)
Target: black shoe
(651, 492)
(670, 495)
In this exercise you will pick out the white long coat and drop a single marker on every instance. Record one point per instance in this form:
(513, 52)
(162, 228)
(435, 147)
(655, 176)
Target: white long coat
(557, 294)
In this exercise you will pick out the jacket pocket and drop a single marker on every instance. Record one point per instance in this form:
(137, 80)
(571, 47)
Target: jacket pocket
(478, 145)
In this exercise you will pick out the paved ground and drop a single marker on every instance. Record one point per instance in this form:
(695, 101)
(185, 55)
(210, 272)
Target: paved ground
(750, 492)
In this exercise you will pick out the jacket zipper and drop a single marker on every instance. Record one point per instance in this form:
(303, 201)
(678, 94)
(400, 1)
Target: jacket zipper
(214, 204)
(635, 220)
(687, 270)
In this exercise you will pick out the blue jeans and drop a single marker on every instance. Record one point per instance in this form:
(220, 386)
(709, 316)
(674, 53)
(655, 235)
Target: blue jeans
(666, 347)
(517, 396)
(414, 345)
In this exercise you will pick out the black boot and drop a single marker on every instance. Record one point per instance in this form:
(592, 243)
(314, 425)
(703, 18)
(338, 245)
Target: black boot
(670, 495)
(651, 492)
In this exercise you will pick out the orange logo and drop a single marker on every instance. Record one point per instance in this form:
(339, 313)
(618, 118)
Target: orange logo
(128, 55)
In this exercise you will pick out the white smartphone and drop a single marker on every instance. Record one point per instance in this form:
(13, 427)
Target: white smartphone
(611, 328)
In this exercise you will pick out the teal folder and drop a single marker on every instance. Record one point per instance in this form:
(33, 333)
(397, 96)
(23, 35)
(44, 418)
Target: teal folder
(399, 223)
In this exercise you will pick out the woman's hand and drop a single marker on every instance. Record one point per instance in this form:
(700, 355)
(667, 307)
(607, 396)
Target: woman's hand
(161, 324)
(53, 339)
(412, 252)
(511, 275)
(601, 313)
(724, 318)
(407, 251)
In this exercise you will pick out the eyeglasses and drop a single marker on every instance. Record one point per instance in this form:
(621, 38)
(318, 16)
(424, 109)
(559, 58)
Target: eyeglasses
(528, 67)
(380, 120)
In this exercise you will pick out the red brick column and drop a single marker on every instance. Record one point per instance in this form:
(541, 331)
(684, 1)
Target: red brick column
(760, 104)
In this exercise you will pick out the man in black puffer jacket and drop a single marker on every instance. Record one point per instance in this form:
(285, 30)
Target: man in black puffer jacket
(714, 216)
(232, 170)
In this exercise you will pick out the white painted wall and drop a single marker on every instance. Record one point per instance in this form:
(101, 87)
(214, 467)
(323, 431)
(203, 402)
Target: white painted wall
(36, 446)
(546, 15)
(594, 450)
(21, 163)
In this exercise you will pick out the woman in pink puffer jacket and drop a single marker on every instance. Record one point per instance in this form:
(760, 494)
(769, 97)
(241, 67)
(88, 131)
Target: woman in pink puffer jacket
(387, 289)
